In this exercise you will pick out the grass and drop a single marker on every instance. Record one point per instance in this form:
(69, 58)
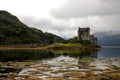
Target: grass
(69, 46)
(83, 45)
(66, 45)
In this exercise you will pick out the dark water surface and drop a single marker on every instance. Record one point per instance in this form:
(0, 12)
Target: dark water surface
(23, 55)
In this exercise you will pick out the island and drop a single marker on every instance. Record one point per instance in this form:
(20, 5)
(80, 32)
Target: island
(82, 41)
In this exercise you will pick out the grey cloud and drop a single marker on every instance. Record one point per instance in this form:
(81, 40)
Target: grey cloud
(48, 25)
(106, 23)
(64, 29)
(40, 23)
(99, 15)
(85, 8)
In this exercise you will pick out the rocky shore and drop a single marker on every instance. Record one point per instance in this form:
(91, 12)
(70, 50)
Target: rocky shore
(62, 68)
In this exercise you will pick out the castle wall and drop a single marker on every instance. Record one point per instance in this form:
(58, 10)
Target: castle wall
(85, 36)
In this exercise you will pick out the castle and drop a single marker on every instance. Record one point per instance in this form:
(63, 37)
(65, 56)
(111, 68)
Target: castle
(84, 34)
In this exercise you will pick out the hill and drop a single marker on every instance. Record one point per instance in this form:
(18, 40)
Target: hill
(14, 32)
(112, 40)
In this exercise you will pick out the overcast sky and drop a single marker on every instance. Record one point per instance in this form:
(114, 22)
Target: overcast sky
(63, 17)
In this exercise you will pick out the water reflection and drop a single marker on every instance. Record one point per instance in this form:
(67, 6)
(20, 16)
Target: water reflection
(76, 53)
(21, 55)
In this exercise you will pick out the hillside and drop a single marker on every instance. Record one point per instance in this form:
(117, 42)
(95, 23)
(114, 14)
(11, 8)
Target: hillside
(13, 32)
(113, 40)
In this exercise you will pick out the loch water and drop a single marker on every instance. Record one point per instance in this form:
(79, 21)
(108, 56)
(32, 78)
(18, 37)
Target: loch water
(58, 63)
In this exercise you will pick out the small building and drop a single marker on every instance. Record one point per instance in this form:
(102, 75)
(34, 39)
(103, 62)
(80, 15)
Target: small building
(93, 39)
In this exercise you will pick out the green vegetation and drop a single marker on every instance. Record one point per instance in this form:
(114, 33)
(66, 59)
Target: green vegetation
(14, 32)
(65, 45)
(73, 44)
(85, 42)
(69, 43)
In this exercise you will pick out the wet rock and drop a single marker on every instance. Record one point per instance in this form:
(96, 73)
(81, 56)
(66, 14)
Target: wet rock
(56, 78)
(61, 68)
(3, 77)
(7, 69)
(32, 79)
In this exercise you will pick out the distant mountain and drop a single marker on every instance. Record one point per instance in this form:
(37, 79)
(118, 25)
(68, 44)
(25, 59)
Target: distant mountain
(105, 34)
(112, 40)
(13, 31)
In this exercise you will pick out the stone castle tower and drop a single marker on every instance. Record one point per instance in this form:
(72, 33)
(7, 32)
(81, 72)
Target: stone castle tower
(84, 34)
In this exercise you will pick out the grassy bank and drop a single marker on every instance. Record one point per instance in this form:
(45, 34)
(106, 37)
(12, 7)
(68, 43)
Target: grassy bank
(72, 46)
(66, 45)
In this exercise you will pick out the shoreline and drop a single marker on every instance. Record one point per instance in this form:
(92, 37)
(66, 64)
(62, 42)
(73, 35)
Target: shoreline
(21, 48)
(49, 48)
